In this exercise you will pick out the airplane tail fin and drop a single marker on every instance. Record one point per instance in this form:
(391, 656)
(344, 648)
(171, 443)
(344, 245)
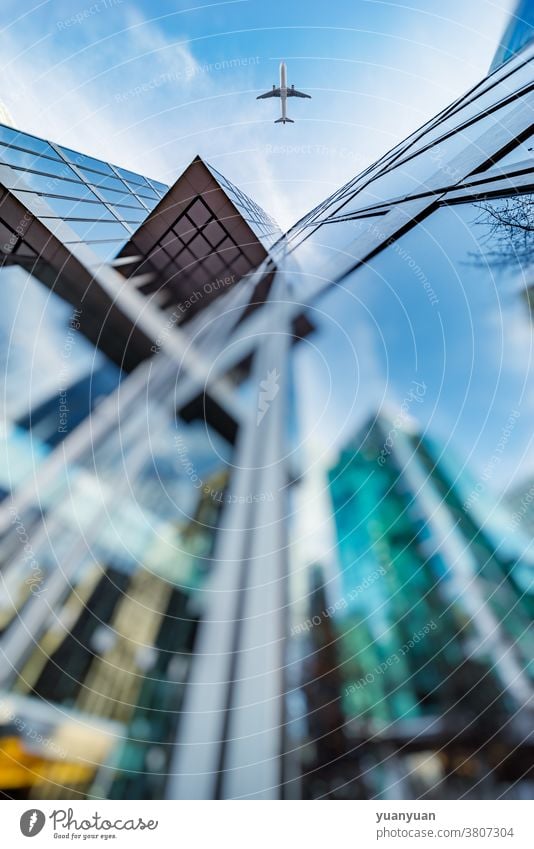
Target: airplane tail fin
(284, 121)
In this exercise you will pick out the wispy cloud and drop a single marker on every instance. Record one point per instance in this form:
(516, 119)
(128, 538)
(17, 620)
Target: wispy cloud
(149, 88)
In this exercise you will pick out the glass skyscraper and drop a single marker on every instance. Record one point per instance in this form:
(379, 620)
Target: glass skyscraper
(257, 534)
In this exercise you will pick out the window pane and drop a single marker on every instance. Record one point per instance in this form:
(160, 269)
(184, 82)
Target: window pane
(127, 213)
(143, 191)
(102, 180)
(332, 249)
(522, 153)
(68, 208)
(95, 230)
(86, 161)
(14, 137)
(161, 188)
(114, 197)
(23, 159)
(25, 180)
(149, 203)
(130, 176)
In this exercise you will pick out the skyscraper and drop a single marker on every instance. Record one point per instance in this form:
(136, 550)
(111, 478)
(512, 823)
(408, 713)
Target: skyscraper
(210, 587)
(432, 621)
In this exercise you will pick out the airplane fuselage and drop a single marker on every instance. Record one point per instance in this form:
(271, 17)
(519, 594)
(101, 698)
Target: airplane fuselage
(283, 89)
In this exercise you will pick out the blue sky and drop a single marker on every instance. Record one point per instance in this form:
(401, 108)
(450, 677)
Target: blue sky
(150, 84)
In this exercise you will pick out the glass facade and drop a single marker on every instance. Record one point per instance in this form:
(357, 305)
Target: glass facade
(108, 516)
(284, 549)
(101, 204)
(258, 220)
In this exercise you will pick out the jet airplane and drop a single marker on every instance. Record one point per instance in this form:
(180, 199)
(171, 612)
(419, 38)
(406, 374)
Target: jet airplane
(283, 92)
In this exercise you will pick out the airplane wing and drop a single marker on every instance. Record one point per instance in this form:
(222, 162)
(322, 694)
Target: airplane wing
(292, 92)
(275, 92)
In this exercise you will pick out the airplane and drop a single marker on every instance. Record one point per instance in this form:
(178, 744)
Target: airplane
(283, 92)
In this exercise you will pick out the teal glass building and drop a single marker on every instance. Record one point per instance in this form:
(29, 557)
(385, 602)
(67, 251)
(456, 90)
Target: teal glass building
(262, 525)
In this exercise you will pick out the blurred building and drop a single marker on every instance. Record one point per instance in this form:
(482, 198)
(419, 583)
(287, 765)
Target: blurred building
(210, 588)
(429, 630)
(102, 567)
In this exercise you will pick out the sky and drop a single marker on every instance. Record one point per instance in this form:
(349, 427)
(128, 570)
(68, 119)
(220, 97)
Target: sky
(148, 85)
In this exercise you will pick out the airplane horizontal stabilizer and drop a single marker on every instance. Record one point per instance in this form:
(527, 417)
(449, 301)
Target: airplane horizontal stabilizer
(284, 121)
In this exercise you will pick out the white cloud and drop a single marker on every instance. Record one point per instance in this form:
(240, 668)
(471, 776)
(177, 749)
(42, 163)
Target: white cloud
(121, 88)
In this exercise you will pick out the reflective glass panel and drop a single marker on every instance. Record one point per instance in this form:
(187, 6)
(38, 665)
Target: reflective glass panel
(68, 208)
(84, 161)
(100, 180)
(128, 213)
(45, 185)
(161, 188)
(23, 159)
(111, 196)
(142, 191)
(435, 168)
(95, 230)
(14, 137)
(131, 176)
(414, 569)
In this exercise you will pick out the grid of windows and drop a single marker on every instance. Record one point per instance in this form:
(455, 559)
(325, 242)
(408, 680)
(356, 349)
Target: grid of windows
(198, 242)
(451, 128)
(258, 220)
(197, 249)
(101, 203)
